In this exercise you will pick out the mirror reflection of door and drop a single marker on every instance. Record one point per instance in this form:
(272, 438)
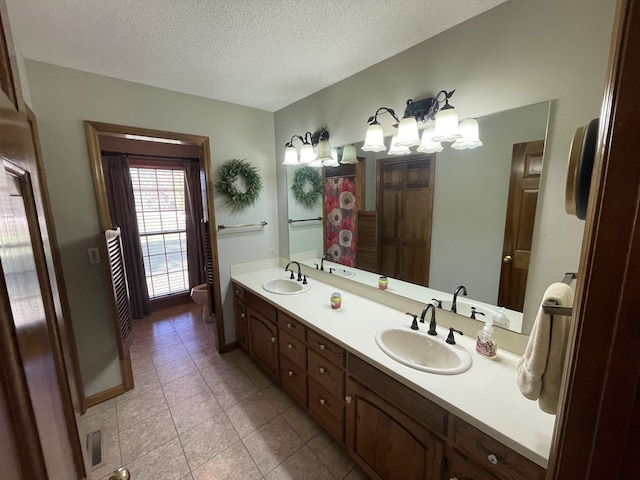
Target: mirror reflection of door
(405, 209)
(526, 167)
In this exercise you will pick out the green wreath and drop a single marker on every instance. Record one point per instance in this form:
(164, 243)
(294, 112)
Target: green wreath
(307, 186)
(229, 174)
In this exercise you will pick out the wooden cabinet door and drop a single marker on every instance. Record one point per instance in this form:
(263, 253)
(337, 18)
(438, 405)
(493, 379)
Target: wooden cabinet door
(385, 442)
(240, 314)
(263, 342)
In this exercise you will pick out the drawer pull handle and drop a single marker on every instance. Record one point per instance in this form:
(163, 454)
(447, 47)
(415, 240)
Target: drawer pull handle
(242, 315)
(493, 459)
(322, 370)
(453, 478)
(273, 339)
(290, 373)
(289, 325)
(322, 401)
(237, 292)
(290, 346)
(322, 346)
(348, 399)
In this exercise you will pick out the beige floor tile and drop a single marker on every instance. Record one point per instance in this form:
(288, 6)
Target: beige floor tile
(331, 454)
(184, 387)
(97, 417)
(176, 369)
(220, 372)
(145, 436)
(241, 358)
(234, 463)
(198, 344)
(259, 378)
(169, 354)
(272, 443)
(233, 390)
(250, 414)
(194, 332)
(141, 363)
(144, 382)
(156, 342)
(357, 474)
(280, 399)
(165, 462)
(302, 465)
(110, 452)
(209, 438)
(302, 422)
(195, 410)
(138, 408)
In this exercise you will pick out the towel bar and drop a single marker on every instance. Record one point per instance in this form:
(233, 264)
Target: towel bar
(305, 220)
(550, 307)
(261, 224)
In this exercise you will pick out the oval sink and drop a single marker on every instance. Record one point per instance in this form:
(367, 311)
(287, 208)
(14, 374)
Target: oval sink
(423, 352)
(343, 272)
(284, 286)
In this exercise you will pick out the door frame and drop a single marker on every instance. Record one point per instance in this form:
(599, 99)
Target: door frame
(95, 129)
(597, 432)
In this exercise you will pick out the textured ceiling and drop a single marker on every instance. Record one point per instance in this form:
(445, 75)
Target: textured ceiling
(260, 53)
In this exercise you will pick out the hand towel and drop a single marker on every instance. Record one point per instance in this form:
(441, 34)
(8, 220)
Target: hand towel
(539, 371)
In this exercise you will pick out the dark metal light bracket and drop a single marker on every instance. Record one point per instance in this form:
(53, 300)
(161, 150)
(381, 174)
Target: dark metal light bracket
(426, 108)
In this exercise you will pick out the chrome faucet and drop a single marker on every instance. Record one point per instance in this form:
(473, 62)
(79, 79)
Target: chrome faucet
(432, 323)
(324, 257)
(286, 269)
(455, 297)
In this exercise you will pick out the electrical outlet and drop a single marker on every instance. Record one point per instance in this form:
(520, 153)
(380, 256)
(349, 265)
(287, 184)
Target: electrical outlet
(272, 252)
(94, 255)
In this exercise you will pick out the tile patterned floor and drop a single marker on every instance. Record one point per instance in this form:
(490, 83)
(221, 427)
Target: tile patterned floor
(198, 415)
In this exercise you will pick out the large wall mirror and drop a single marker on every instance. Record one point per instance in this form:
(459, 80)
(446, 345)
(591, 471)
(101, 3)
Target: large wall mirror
(471, 194)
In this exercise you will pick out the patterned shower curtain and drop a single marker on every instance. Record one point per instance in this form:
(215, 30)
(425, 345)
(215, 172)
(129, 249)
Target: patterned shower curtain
(340, 214)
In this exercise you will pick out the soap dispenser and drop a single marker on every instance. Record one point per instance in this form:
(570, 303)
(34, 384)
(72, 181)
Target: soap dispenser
(485, 343)
(500, 319)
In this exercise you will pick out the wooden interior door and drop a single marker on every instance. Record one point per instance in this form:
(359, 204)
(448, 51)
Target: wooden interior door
(526, 167)
(405, 209)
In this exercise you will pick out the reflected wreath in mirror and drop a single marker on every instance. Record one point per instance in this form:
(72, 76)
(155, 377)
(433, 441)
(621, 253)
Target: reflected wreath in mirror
(240, 182)
(307, 186)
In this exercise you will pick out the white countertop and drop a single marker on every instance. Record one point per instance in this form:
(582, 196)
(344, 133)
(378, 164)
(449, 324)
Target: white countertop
(486, 395)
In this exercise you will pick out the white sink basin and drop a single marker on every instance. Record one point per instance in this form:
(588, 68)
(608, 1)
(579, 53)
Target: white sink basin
(416, 349)
(343, 272)
(284, 286)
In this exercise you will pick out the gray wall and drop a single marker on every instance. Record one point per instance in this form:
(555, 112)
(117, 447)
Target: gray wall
(519, 53)
(62, 99)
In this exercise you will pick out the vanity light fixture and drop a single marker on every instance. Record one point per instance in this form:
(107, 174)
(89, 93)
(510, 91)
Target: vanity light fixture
(442, 126)
(321, 156)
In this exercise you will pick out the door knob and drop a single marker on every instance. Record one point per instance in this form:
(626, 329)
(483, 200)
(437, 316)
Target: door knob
(507, 259)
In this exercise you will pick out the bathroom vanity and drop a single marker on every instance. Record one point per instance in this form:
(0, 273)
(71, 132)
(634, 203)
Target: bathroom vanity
(394, 421)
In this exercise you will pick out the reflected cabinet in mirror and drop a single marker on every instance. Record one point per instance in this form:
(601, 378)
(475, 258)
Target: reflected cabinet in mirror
(434, 222)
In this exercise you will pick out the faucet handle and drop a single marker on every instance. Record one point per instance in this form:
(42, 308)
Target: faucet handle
(438, 302)
(292, 275)
(474, 312)
(304, 282)
(450, 340)
(414, 323)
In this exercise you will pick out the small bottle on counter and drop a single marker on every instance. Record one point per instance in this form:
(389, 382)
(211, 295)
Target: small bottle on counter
(336, 300)
(485, 343)
(383, 282)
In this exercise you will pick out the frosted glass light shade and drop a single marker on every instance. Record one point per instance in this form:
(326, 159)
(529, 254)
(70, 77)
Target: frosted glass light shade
(349, 155)
(396, 149)
(374, 140)
(290, 156)
(470, 135)
(334, 159)
(315, 163)
(427, 145)
(408, 133)
(446, 125)
(324, 151)
(306, 154)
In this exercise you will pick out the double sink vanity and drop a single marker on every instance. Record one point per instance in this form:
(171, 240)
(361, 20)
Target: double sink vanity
(403, 404)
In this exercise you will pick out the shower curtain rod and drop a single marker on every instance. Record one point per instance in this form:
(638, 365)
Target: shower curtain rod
(108, 153)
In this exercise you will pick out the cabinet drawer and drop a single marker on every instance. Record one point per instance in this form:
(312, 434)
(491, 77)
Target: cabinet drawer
(327, 409)
(238, 291)
(491, 455)
(326, 348)
(326, 374)
(292, 326)
(261, 306)
(293, 348)
(294, 380)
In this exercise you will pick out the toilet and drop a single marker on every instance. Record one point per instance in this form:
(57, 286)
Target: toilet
(200, 295)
